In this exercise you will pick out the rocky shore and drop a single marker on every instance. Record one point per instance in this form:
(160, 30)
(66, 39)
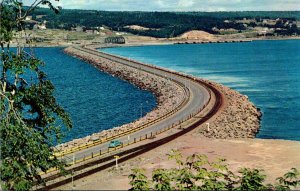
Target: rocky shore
(239, 117)
(169, 94)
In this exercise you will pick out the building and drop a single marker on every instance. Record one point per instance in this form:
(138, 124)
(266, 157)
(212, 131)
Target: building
(115, 40)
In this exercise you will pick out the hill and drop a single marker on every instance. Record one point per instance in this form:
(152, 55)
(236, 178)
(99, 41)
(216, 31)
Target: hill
(158, 24)
(197, 35)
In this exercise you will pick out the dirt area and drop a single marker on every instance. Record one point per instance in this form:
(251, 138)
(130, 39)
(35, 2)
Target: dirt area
(140, 28)
(144, 40)
(276, 157)
(197, 35)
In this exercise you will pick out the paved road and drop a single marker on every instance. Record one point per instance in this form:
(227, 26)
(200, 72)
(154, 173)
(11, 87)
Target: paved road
(199, 97)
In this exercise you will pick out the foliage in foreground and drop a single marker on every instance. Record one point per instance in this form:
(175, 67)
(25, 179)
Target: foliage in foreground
(30, 118)
(198, 173)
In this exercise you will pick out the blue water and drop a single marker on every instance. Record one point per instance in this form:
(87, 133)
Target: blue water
(96, 101)
(268, 72)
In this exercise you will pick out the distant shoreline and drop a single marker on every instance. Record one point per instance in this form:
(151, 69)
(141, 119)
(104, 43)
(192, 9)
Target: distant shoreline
(145, 40)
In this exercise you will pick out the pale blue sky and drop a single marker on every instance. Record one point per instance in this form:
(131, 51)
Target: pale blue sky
(181, 5)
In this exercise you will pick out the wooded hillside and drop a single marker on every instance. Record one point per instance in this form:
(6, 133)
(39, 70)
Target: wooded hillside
(160, 24)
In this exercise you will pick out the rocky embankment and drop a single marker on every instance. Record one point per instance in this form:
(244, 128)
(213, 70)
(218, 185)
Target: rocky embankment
(169, 94)
(239, 117)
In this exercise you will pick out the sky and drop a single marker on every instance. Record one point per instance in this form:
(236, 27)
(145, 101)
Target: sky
(180, 5)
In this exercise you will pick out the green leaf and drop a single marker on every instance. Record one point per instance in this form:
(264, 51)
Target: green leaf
(29, 113)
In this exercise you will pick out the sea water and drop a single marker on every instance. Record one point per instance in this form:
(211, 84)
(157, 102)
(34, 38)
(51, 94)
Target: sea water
(268, 72)
(95, 100)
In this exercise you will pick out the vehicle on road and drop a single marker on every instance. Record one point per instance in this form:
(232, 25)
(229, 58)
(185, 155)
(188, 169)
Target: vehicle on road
(114, 143)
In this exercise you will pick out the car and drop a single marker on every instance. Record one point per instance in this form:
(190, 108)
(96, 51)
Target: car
(114, 143)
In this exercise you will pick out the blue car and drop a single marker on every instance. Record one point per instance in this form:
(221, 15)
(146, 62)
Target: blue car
(114, 143)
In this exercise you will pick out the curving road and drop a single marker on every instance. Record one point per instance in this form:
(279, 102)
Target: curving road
(198, 97)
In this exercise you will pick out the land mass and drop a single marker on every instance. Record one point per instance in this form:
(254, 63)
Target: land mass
(169, 24)
(86, 27)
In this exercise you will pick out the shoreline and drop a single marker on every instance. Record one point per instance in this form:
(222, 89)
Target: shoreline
(146, 40)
